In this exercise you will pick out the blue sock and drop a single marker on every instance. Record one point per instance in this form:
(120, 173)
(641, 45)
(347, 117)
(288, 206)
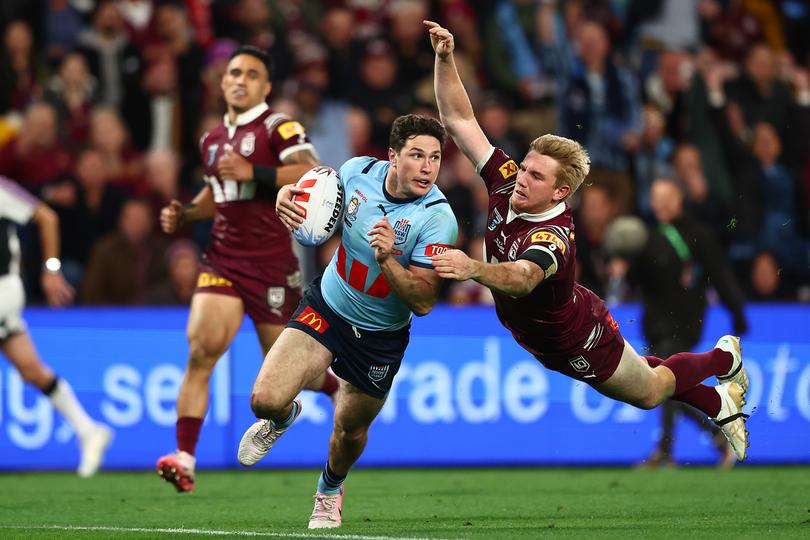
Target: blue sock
(289, 420)
(329, 482)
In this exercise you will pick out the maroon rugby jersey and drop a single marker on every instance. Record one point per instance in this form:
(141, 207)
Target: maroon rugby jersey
(245, 222)
(558, 316)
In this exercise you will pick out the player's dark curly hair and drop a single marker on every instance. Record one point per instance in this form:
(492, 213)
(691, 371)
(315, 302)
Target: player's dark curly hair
(413, 125)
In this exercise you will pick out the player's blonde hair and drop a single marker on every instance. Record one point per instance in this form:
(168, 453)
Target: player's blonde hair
(573, 160)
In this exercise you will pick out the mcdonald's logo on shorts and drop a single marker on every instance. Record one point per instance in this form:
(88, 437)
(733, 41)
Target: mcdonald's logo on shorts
(313, 319)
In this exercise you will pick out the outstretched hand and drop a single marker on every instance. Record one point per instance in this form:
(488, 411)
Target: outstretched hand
(441, 39)
(454, 264)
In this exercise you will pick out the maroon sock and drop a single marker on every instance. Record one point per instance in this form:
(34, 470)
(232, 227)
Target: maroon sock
(330, 383)
(702, 397)
(188, 431)
(690, 369)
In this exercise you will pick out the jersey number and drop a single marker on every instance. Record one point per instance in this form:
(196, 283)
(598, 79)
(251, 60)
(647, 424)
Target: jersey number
(231, 190)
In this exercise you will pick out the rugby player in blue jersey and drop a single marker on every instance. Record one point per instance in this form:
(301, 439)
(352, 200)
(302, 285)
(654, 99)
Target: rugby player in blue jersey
(356, 317)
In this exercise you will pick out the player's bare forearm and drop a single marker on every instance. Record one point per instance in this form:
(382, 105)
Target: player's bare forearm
(295, 165)
(515, 279)
(455, 109)
(418, 289)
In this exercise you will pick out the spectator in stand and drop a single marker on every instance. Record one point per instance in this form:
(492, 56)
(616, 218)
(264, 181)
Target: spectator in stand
(413, 52)
(700, 202)
(597, 208)
(216, 60)
(667, 87)
(123, 164)
(73, 92)
(63, 24)
(337, 33)
(183, 265)
(113, 60)
(359, 126)
(35, 156)
(19, 77)
(125, 264)
(88, 208)
(651, 159)
(496, 121)
(767, 282)
(599, 103)
(162, 173)
(379, 91)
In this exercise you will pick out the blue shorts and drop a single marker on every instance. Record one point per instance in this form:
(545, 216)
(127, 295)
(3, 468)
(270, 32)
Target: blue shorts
(366, 359)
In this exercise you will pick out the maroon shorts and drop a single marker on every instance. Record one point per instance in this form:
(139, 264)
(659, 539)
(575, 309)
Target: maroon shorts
(596, 358)
(268, 294)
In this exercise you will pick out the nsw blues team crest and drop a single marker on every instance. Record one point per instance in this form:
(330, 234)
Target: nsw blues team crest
(212, 154)
(401, 230)
(351, 211)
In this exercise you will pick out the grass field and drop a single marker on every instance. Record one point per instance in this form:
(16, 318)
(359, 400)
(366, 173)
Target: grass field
(753, 502)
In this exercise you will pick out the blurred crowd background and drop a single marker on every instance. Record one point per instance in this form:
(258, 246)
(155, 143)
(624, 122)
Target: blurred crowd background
(103, 103)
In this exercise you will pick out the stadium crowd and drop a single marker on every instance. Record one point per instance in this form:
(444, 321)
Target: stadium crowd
(103, 104)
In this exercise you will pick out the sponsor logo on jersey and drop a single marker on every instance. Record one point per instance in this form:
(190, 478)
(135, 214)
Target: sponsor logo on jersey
(360, 194)
(508, 169)
(290, 129)
(351, 211)
(212, 154)
(436, 249)
(207, 279)
(275, 297)
(313, 319)
(612, 322)
(248, 144)
(546, 237)
(513, 251)
(500, 242)
(401, 230)
(377, 372)
(579, 364)
(495, 221)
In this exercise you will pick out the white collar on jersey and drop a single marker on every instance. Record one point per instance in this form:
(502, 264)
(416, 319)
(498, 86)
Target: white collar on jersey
(548, 214)
(248, 116)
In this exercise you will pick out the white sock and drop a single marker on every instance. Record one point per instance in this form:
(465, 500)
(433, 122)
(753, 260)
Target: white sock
(64, 401)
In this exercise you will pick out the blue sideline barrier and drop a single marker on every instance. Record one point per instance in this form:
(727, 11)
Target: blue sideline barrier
(466, 395)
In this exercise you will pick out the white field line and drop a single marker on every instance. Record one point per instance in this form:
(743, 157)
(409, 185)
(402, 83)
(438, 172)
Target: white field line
(209, 532)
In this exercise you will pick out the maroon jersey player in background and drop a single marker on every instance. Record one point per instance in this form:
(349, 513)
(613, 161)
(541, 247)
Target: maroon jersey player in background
(529, 266)
(249, 266)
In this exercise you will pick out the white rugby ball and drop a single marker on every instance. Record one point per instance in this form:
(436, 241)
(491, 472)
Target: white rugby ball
(322, 201)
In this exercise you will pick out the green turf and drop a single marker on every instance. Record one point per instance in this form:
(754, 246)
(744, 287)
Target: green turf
(694, 503)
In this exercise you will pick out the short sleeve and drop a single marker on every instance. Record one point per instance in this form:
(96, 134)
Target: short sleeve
(16, 203)
(547, 246)
(288, 136)
(437, 236)
(499, 172)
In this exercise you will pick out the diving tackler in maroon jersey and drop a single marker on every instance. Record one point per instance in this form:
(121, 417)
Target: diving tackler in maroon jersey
(566, 326)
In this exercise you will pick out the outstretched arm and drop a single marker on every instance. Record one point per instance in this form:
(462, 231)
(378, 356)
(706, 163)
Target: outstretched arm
(515, 279)
(455, 109)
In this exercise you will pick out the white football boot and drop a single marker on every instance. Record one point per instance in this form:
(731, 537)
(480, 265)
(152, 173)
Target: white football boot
(737, 374)
(260, 438)
(328, 511)
(93, 447)
(731, 419)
